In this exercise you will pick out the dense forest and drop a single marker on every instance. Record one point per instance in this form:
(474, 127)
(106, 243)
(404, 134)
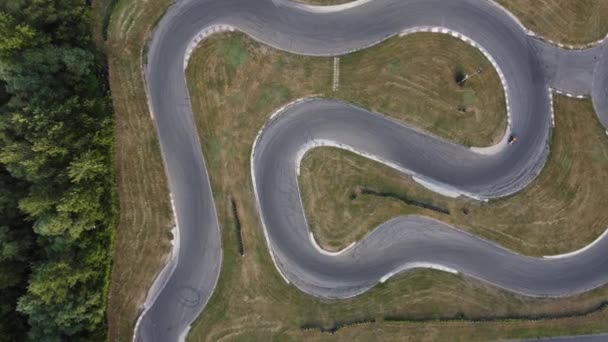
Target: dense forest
(57, 205)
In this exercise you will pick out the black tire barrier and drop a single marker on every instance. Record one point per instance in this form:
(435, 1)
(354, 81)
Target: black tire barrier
(237, 226)
(480, 319)
(459, 317)
(404, 199)
(336, 326)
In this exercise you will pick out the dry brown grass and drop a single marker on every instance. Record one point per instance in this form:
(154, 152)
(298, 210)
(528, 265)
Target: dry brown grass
(145, 221)
(561, 211)
(98, 11)
(235, 84)
(143, 233)
(412, 79)
(565, 21)
(467, 331)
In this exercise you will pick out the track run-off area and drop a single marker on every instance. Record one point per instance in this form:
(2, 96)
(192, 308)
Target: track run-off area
(530, 71)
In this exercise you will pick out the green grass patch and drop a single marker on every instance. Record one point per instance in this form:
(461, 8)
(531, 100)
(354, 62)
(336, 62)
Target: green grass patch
(234, 51)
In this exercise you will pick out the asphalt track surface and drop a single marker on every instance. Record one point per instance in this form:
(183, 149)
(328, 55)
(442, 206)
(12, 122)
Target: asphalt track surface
(529, 67)
(582, 338)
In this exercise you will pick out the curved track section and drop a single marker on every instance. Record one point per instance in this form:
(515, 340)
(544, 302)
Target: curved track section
(401, 243)
(405, 242)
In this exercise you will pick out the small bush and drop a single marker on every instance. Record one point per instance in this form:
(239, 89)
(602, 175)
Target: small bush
(459, 76)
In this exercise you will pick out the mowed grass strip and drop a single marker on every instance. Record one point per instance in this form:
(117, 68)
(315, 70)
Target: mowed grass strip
(143, 234)
(235, 84)
(413, 79)
(561, 211)
(564, 21)
(466, 331)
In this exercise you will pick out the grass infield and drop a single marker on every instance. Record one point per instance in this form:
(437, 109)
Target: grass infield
(142, 238)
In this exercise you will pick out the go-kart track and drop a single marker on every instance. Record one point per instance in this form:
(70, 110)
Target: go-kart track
(530, 70)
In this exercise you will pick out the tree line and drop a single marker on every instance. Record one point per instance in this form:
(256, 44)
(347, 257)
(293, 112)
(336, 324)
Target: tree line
(57, 196)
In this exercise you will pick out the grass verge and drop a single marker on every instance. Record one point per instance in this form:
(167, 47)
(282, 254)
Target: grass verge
(414, 79)
(564, 21)
(232, 98)
(143, 236)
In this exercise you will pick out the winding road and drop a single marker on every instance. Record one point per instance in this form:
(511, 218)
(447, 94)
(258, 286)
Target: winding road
(530, 71)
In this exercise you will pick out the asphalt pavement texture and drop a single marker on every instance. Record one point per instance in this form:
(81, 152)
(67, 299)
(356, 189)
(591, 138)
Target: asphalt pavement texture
(530, 67)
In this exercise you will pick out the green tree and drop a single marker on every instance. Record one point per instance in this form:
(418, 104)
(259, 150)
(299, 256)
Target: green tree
(14, 37)
(50, 74)
(56, 162)
(15, 251)
(65, 21)
(61, 301)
